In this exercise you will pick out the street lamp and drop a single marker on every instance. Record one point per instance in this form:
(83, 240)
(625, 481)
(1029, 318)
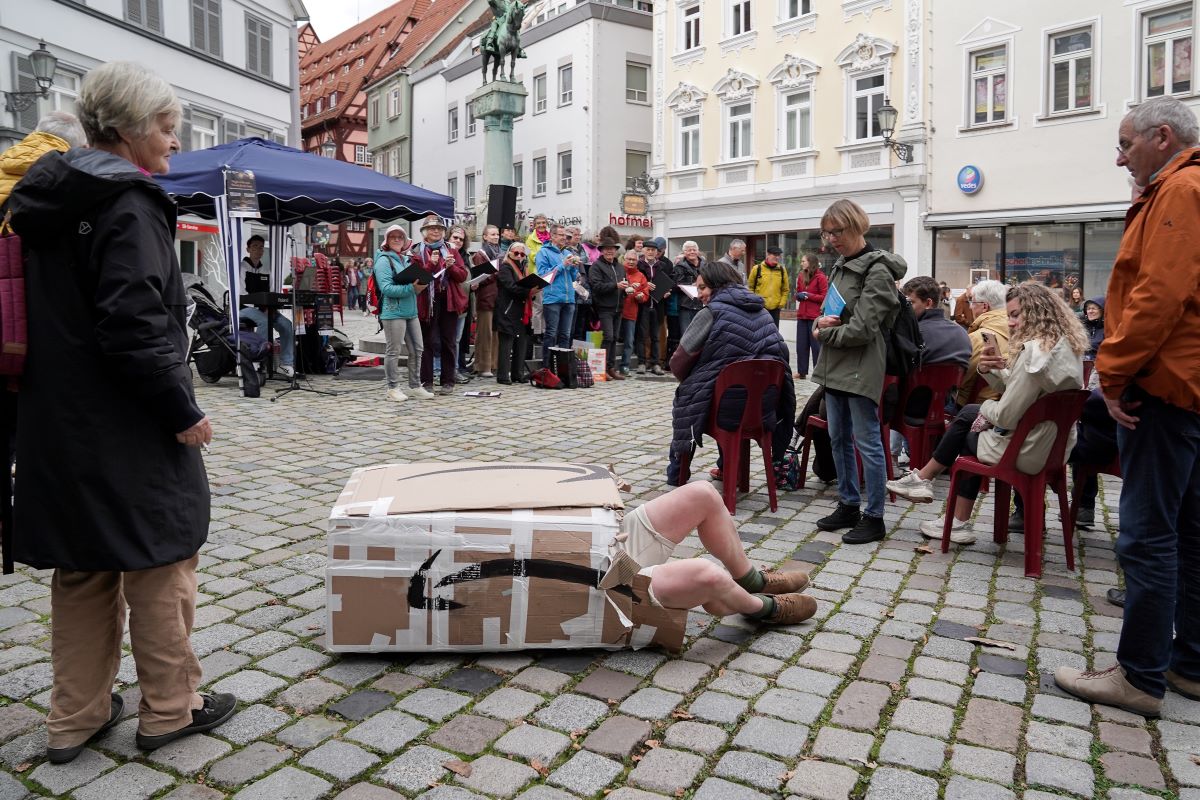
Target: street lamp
(886, 117)
(329, 147)
(44, 63)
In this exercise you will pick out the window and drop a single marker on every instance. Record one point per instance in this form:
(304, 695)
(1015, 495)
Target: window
(471, 119)
(689, 140)
(333, 98)
(868, 98)
(360, 62)
(206, 26)
(255, 131)
(373, 112)
(519, 178)
(145, 13)
(797, 121)
(469, 200)
(452, 124)
(320, 105)
(1167, 48)
(361, 156)
(393, 158)
(690, 37)
(65, 91)
(452, 189)
(1071, 70)
(796, 8)
(539, 93)
(204, 131)
(565, 76)
(393, 102)
(636, 162)
(739, 18)
(539, 177)
(378, 163)
(564, 171)
(637, 83)
(739, 131)
(989, 85)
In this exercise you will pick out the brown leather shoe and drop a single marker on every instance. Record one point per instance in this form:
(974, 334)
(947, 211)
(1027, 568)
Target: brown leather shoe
(791, 609)
(781, 582)
(613, 375)
(1184, 686)
(1109, 688)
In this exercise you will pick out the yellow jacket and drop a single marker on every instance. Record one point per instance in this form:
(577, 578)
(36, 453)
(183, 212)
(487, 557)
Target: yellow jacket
(16, 160)
(532, 245)
(771, 284)
(996, 321)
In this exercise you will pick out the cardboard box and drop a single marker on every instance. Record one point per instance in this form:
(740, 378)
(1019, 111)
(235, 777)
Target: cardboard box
(474, 556)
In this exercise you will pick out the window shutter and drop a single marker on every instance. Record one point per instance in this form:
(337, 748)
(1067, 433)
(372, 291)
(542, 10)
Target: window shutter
(185, 130)
(251, 44)
(264, 48)
(133, 12)
(154, 15)
(232, 131)
(26, 120)
(198, 27)
(278, 138)
(214, 27)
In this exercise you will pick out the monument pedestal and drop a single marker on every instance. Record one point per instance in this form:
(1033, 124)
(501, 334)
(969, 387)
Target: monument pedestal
(497, 103)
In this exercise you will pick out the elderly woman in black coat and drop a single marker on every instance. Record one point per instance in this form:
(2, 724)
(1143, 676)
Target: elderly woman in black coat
(511, 317)
(112, 493)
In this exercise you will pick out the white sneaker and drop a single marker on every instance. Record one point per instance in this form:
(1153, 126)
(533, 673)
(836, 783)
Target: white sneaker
(420, 392)
(913, 487)
(962, 531)
(397, 395)
(487, 374)
(286, 370)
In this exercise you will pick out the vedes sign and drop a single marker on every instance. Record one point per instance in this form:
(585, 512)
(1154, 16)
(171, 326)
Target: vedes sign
(970, 179)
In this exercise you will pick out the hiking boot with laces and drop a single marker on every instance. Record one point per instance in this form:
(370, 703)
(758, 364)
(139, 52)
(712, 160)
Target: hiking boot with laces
(784, 582)
(1110, 688)
(791, 609)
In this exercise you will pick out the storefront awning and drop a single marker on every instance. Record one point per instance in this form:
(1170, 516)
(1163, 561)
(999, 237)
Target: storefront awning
(1024, 216)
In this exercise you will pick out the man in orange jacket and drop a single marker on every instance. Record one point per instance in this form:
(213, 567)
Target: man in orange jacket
(1149, 367)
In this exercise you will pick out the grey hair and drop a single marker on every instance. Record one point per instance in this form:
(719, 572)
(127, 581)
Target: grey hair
(737, 243)
(994, 293)
(65, 126)
(689, 243)
(123, 98)
(1167, 111)
(555, 226)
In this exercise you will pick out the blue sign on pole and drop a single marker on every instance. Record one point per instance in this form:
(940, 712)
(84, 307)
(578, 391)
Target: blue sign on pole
(970, 179)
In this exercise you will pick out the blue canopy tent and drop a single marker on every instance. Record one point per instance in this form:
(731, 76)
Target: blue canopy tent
(293, 187)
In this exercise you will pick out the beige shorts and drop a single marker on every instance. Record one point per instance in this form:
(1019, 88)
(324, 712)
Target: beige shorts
(641, 542)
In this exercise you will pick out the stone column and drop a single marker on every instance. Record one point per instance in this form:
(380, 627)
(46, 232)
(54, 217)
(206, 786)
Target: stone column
(497, 103)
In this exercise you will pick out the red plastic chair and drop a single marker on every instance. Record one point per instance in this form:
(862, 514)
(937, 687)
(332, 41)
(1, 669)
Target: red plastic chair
(1088, 366)
(816, 423)
(755, 376)
(1085, 471)
(939, 379)
(1064, 410)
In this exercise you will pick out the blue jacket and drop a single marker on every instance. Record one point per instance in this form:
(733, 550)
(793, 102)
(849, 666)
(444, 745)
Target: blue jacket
(548, 259)
(399, 299)
(741, 329)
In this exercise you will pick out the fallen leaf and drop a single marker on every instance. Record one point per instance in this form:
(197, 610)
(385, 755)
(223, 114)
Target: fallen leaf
(458, 767)
(652, 743)
(679, 792)
(679, 714)
(540, 767)
(636, 758)
(720, 672)
(1195, 760)
(787, 776)
(575, 734)
(975, 670)
(895, 687)
(979, 640)
(434, 784)
(24, 765)
(274, 601)
(923, 549)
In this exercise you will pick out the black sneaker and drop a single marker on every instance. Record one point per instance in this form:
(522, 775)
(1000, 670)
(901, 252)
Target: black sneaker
(1116, 597)
(843, 517)
(218, 708)
(1016, 522)
(1085, 518)
(64, 755)
(869, 529)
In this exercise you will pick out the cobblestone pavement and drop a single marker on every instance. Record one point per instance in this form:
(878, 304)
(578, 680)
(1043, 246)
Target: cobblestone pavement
(881, 696)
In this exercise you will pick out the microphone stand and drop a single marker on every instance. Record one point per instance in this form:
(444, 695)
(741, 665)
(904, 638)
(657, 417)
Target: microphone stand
(298, 314)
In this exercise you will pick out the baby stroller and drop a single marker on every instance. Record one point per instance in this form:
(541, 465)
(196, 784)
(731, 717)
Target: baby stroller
(212, 349)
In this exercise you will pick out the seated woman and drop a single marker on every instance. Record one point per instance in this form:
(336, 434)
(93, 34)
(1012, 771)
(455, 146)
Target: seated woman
(1046, 344)
(731, 326)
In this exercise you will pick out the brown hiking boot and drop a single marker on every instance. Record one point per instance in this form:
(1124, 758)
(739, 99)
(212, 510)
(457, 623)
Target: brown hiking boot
(781, 582)
(1110, 688)
(791, 609)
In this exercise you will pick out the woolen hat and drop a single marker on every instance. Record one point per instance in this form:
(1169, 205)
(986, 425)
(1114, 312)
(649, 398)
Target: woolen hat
(393, 229)
(658, 243)
(432, 221)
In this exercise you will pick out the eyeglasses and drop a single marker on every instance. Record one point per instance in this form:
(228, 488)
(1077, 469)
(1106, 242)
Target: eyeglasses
(456, 238)
(834, 234)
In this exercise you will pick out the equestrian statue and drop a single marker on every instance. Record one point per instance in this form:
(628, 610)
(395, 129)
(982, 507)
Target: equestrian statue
(503, 38)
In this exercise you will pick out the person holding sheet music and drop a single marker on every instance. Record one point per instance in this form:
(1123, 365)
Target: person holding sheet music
(514, 310)
(439, 305)
(485, 286)
(560, 267)
(637, 293)
(398, 316)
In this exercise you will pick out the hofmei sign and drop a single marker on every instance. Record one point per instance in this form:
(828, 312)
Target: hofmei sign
(625, 221)
(970, 179)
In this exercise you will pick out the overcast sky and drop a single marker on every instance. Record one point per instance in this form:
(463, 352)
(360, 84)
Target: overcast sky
(331, 17)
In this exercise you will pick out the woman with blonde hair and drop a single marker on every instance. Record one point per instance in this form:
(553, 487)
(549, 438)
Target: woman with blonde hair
(1045, 352)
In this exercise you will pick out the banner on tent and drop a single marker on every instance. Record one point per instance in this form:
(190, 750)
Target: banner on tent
(241, 193)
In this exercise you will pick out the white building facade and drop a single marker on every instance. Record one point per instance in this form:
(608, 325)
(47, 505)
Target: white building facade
(586, 131)
(233, 64)
(1030, 97)
(765, 114)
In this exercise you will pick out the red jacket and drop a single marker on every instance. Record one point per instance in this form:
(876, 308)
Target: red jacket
(816, 288)
(450, 284)
(640, 295)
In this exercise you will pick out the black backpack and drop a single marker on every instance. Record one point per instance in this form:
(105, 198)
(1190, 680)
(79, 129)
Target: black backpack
(905, 345)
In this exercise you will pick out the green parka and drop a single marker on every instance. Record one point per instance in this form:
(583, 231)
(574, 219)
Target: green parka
(854, 354)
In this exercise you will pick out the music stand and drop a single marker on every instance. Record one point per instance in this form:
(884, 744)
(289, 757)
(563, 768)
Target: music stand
(297, 313)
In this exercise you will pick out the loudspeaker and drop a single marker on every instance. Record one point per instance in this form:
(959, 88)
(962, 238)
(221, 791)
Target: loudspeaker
(502, 206)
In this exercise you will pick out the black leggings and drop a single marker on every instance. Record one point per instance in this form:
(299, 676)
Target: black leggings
(960, 440)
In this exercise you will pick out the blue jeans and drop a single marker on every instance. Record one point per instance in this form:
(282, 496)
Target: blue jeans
(559, 318)
(628, 331)
(1159, 544)
(283, 326)
(854, 422)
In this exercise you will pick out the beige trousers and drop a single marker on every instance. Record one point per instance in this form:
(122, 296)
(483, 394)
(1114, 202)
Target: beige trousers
(486, 345)
(87, 614)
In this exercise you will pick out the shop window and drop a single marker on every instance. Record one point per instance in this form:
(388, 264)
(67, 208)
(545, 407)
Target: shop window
(1101, 240)
(965, 256)
(1046, 253)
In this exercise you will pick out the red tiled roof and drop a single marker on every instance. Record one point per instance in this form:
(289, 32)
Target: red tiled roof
(439, 15)
(478, 26)
(344, 52)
